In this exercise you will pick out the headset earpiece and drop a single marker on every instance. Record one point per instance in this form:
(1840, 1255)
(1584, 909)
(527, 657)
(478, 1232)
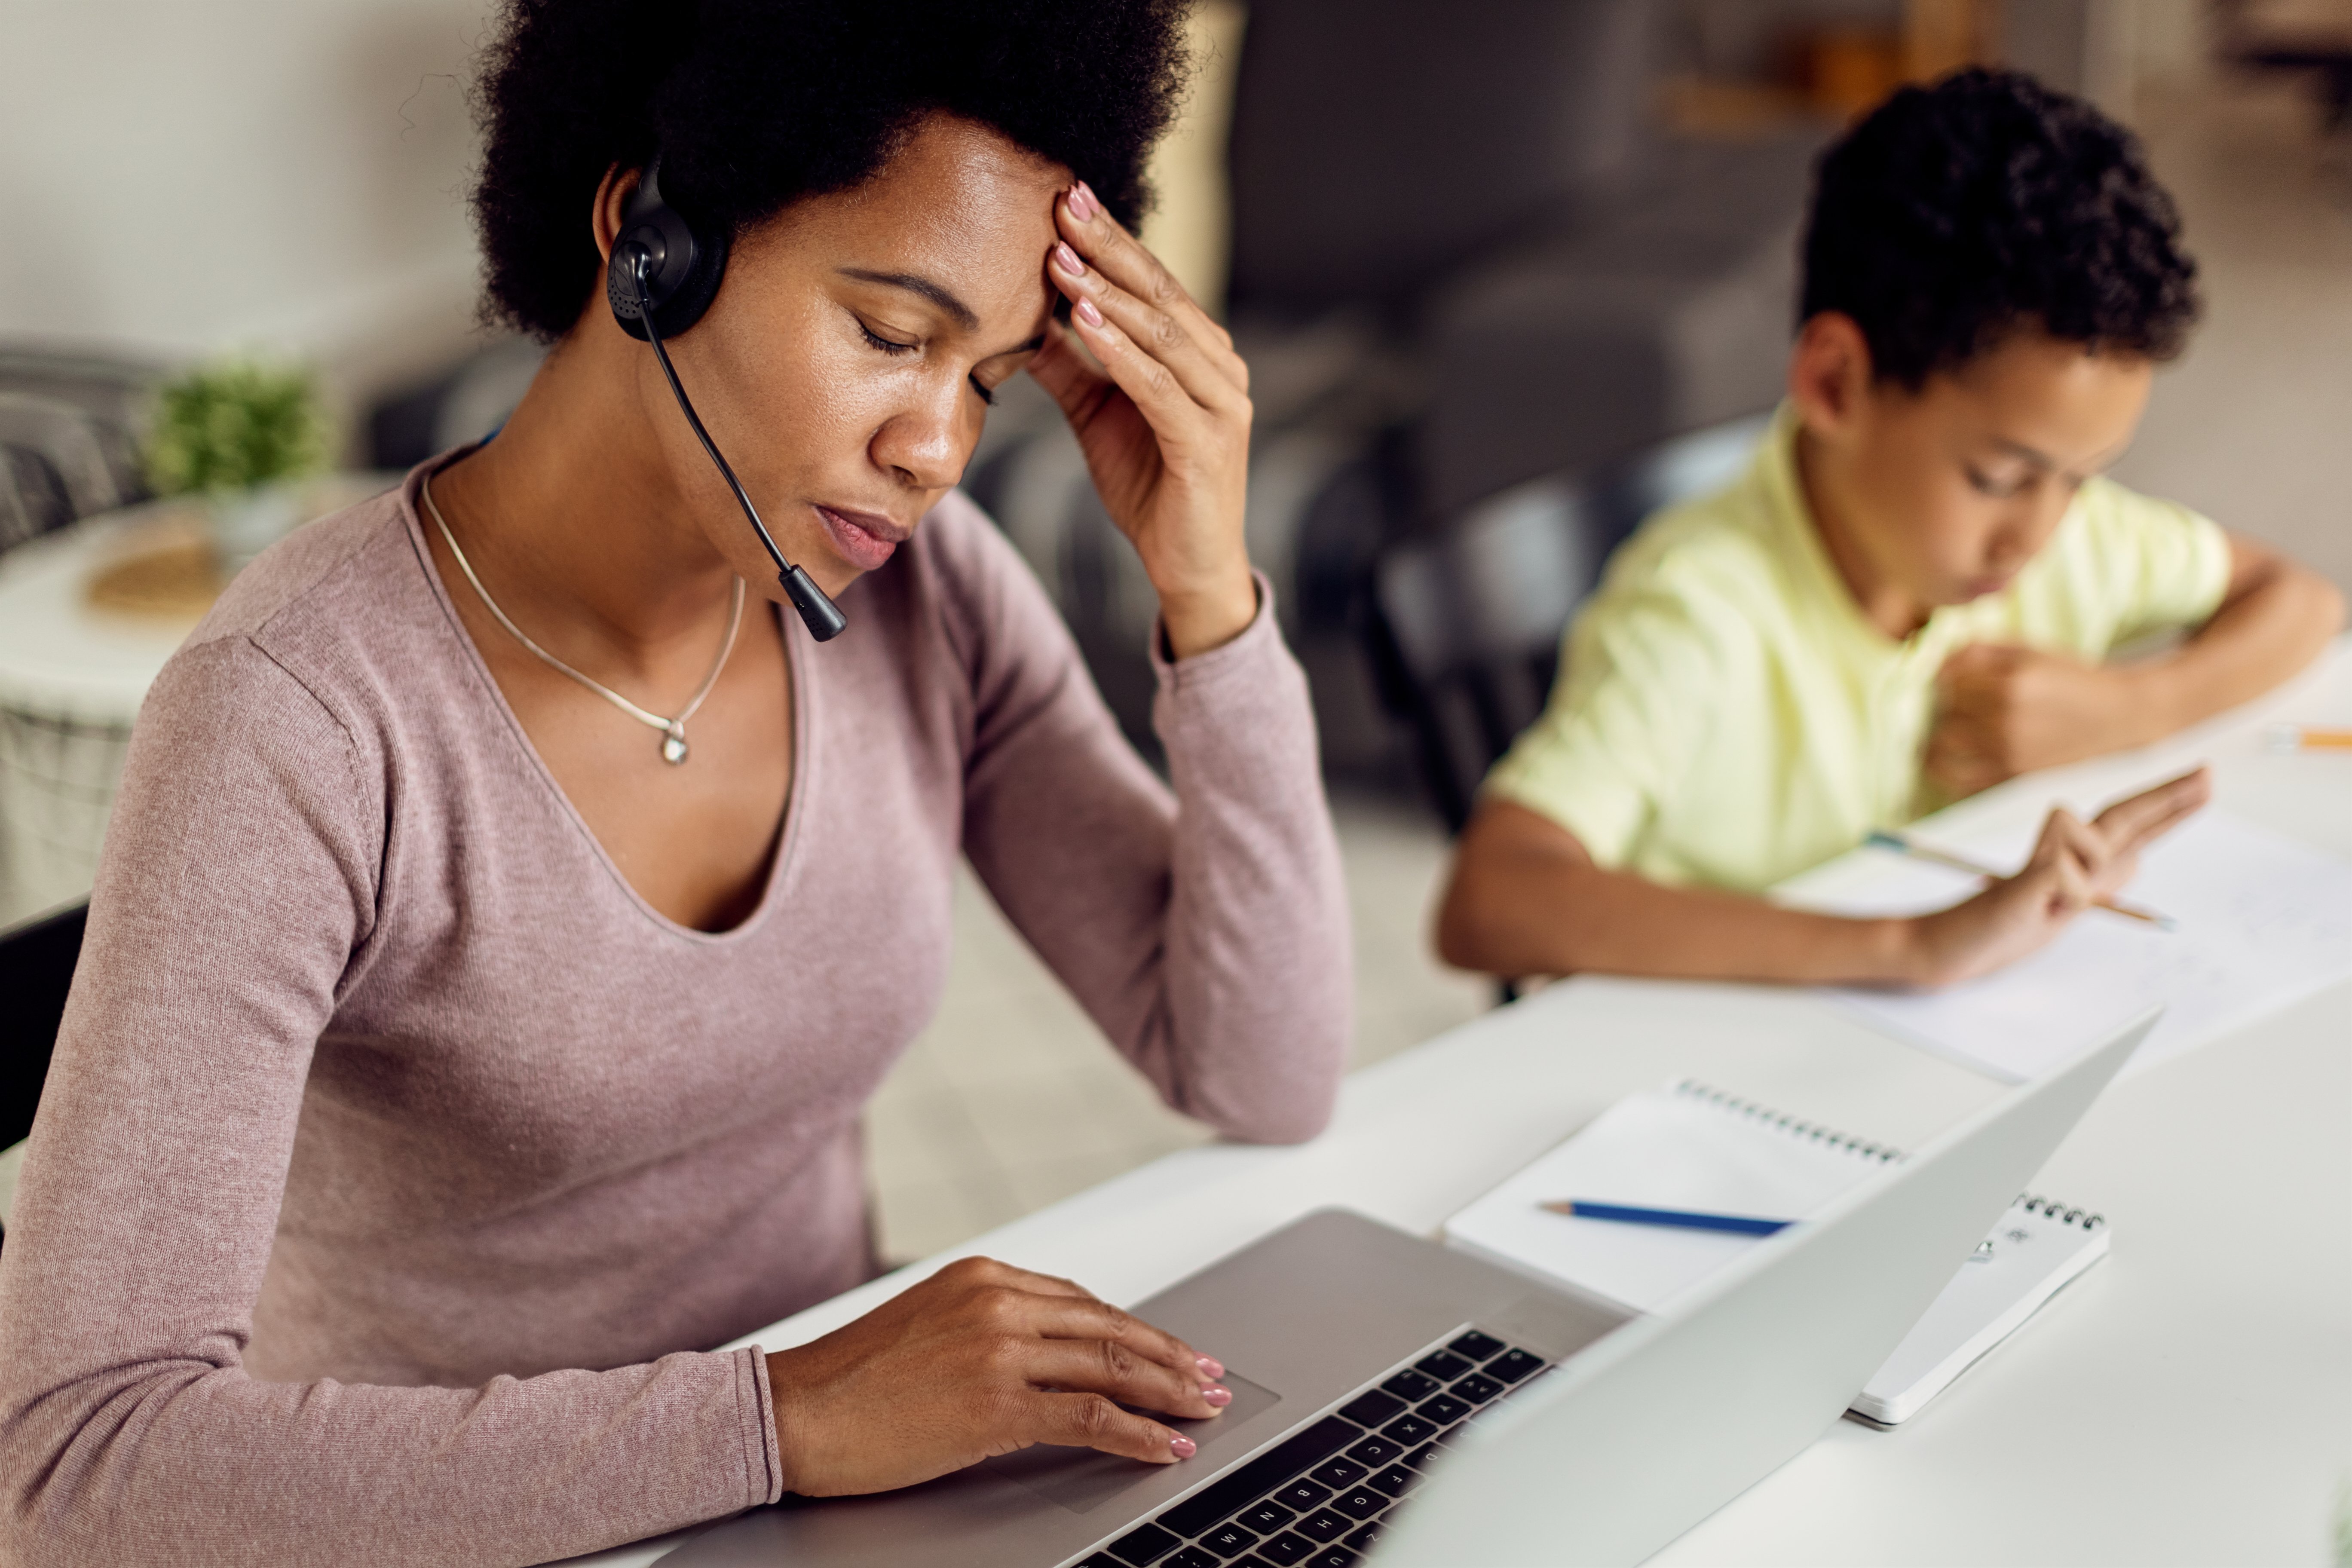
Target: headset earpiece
(684, 264)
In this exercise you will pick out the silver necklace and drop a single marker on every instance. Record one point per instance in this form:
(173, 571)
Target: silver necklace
(673, 746)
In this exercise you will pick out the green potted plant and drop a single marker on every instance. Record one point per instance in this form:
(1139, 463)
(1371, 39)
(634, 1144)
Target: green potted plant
(238, 433)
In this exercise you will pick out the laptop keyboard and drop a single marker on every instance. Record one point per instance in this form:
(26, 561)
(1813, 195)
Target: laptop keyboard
(1317, 1498)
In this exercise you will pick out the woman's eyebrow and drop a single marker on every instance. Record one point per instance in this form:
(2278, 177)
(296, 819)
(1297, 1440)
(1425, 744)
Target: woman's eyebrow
(914, 283)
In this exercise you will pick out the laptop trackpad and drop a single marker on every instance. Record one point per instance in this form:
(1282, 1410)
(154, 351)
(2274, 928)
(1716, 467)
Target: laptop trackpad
(1082, 1478)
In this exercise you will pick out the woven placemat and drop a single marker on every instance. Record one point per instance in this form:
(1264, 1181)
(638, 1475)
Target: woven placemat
(167, 570)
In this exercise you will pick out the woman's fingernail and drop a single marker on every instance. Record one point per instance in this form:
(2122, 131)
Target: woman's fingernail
(1067, 260)
(1211, 1365)
(1094, 201)
(1183, 1447)
(1220, 1397)
(1088, 313)
(1081, 202)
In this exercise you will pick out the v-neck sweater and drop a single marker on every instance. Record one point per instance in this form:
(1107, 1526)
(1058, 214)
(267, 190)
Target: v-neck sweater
(398, 1164)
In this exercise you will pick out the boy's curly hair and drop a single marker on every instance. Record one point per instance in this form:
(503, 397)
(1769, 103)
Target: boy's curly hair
(752, 104)
(1958, 214)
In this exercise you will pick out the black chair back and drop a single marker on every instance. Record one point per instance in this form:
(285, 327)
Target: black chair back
(1465, 628)
(36, 969)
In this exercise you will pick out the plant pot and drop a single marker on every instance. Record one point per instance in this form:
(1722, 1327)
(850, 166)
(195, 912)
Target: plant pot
(247, 521)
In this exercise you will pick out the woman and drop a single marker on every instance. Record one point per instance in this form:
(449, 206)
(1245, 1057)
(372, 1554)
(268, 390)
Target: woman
(453, 1054)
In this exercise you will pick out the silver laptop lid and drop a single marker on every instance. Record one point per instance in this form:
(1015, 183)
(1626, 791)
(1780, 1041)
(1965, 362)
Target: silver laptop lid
(1657, 1426)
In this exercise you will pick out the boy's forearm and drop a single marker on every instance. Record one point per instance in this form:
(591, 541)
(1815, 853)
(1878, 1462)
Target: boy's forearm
(1525, 900)
(2272, 625)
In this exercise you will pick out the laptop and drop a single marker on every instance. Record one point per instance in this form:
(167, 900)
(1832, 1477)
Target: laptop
(1399, 1403)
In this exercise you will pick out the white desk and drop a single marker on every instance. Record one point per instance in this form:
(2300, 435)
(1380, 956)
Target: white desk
(2189, 1401)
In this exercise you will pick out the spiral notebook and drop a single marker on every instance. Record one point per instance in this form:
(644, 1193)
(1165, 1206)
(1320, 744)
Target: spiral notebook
(1690, 1146)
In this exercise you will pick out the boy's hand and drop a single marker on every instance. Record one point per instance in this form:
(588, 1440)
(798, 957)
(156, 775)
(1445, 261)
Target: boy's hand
(2075, 864)
(2003, 711)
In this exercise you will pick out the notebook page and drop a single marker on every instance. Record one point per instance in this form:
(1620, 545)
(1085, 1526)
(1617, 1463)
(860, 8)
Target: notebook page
(2263, 920)
(1662, 1149)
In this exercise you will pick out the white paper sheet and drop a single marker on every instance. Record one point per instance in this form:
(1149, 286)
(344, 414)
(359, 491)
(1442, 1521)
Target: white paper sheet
(2264, 921)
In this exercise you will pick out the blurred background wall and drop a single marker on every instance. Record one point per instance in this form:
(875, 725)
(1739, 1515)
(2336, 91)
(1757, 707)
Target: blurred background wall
(281, 174)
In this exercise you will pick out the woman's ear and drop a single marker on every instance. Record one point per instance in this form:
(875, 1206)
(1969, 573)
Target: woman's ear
(613, 193)
(1830, 373)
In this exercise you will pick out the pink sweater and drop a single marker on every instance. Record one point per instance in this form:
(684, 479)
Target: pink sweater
(398, 1160)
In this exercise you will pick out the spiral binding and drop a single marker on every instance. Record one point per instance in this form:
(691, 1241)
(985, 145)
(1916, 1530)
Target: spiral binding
(1782, 1119)
(2049, 1208)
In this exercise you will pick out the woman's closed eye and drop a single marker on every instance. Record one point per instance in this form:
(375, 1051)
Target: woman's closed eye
(888, 345)
(893, 346)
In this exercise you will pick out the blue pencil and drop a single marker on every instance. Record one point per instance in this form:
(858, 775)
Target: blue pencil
(1738, 1224)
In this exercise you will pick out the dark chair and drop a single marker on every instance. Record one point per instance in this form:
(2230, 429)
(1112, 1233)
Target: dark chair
(463, 402)
(1378, 148)
(1377, 144)
(69, 429)
(1464, 631)
(37, 967)
(1570, 352)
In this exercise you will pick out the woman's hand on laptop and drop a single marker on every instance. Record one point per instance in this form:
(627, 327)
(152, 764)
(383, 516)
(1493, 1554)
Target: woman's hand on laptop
(980, 1359)
(2075, 864)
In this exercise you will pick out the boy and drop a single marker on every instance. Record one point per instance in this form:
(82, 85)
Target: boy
(1910, 594)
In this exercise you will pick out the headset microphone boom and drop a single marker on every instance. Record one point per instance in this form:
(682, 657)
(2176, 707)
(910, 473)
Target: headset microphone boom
(661, 266)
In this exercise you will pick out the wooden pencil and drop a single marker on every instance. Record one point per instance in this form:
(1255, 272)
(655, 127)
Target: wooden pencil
(1944, 858)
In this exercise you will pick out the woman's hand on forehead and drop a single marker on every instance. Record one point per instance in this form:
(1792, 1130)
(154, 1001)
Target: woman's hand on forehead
(1165, 423)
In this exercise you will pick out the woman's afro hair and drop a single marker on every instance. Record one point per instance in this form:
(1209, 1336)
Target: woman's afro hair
(752, 104)
(1957, 215)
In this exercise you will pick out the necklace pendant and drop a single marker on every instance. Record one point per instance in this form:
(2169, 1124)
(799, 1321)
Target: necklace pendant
(674, 745)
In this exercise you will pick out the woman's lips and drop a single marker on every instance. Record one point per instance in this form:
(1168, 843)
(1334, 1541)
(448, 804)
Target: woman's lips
(864, 539)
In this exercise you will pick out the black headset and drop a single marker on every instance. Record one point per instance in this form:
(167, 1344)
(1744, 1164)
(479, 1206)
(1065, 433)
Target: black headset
(662, 277)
